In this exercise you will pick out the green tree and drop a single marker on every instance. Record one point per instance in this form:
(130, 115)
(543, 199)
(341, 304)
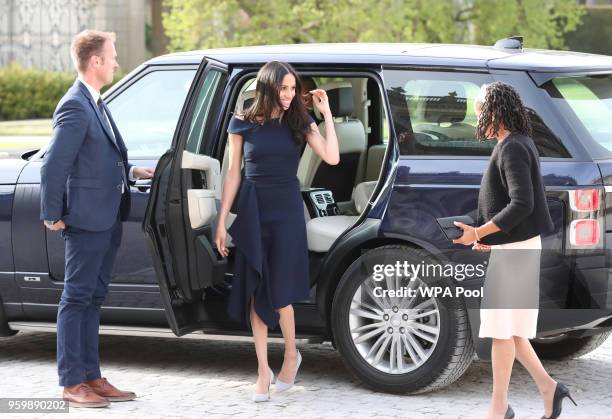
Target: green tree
(592, 35)
(543, 23)
(193, 24)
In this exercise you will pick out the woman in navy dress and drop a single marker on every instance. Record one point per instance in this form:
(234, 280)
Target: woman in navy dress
(269, 232)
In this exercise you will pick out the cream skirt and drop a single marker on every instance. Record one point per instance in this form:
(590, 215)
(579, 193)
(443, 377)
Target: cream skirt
(510, 301)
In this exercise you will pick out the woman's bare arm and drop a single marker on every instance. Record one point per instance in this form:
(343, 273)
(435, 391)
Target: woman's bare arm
(326, 148)
(232, 177)
(230, 188)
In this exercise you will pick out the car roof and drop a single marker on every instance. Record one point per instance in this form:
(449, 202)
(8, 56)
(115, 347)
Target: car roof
(459, 55)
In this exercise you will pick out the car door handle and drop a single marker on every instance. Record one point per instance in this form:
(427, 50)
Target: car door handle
(143, 185)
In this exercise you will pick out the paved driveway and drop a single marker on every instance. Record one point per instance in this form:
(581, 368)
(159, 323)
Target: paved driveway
(187, 378)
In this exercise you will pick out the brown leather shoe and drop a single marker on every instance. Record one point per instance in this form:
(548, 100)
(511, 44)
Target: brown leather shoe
(81, 395)
(105, 389)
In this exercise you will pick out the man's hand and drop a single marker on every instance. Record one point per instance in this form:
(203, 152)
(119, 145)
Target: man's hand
(57, 226)
(143, 172)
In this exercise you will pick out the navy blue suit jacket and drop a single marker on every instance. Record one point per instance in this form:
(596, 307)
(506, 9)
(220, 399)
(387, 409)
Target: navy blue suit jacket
(84, 167)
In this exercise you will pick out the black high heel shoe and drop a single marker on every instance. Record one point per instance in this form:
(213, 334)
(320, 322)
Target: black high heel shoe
(561, 392)
(509, 413)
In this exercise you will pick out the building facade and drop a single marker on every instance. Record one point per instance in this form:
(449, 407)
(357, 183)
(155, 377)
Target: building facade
(37, 33)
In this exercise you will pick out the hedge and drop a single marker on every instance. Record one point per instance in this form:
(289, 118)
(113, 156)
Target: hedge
(31, 93)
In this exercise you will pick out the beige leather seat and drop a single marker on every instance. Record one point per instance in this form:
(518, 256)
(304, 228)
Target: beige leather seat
(322, 232)
(376, 154)
(352, 143)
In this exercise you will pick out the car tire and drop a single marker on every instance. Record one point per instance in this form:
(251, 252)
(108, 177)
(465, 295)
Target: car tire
(447, 358)
(566, 347)
(5, 330)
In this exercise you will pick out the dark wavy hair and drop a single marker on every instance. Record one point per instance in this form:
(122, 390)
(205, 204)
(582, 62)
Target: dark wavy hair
(502, 105)
(267, 99)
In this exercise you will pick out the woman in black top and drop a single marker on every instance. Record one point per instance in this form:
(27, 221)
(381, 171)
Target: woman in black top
(512, 213)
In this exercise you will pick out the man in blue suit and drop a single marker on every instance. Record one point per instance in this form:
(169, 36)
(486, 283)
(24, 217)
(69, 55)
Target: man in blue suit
(85, 194)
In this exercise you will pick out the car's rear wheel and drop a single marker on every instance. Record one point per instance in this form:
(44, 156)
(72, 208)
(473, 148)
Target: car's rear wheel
(565, 347)
(399, 344)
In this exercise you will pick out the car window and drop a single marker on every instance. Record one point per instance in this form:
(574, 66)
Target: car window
(200, 113)
(587, 100)
(146, 112)
(433, 114)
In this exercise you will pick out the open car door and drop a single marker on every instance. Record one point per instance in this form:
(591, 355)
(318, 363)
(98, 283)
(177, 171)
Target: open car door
(183, 204)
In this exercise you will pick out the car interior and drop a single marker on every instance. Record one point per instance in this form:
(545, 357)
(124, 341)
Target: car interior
(334, 196)
(443, 119)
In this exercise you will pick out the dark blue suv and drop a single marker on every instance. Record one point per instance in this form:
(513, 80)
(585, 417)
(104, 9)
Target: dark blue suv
(408, 155)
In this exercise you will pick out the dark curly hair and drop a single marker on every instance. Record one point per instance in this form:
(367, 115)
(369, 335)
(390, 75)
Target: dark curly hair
(502, 105)
(267, 99)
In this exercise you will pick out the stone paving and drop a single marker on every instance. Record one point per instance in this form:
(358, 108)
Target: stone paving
(178, 378)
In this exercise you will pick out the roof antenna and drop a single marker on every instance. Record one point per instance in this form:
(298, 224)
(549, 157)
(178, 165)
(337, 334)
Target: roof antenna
(511, 43)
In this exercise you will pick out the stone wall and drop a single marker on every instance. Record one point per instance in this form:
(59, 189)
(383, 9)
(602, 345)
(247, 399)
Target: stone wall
(37, 33)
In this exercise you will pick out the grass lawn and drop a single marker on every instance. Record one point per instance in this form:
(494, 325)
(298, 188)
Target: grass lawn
(31, 127)
(18, 147)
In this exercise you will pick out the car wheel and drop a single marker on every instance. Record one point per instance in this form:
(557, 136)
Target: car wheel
(399, 344)
(5, 330)
(565, 347)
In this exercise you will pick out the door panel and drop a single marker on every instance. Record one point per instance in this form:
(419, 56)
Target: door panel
(133, 264)
(202, 202)
(184, 258)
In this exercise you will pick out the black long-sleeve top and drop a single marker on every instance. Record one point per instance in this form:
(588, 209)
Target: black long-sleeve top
(512, 193)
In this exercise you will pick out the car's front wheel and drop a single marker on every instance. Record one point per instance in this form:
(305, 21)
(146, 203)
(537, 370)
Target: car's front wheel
(399, 344)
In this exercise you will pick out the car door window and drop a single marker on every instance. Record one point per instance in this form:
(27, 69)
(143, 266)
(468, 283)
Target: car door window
(200, 113)
(586, 102)
(433, 114)
(146, 113)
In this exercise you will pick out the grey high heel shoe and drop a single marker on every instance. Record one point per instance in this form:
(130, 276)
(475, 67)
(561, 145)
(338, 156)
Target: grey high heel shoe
(258, 397)
(281, 385)
(561, 392)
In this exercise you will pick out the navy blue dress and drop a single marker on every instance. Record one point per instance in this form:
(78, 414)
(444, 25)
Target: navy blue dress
(269, 232)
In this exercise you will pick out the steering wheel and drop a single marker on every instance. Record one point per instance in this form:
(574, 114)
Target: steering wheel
(436, 136)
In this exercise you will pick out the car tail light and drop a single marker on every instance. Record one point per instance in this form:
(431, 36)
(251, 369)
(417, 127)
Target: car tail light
(584, 232)
(584, 200)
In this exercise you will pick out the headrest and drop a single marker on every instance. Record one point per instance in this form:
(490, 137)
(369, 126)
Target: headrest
(245, 100)
(444, 102)
(340, 96)
(248, 102)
